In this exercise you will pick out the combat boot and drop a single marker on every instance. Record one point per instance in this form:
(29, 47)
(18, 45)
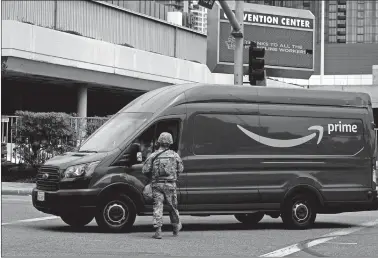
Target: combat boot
(157, 234)
(176, 229)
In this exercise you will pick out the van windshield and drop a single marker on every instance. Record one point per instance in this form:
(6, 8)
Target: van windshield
(114, 132)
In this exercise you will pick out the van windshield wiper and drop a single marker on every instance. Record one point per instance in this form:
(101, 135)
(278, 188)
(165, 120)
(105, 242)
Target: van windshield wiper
(88, 151)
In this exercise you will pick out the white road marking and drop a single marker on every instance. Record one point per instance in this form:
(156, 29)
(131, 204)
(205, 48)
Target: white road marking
(337, 243)
(29, 220)
(298, 247)
(14, 199)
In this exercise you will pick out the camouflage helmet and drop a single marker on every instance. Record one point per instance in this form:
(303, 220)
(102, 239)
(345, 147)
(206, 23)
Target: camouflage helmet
(165, 138)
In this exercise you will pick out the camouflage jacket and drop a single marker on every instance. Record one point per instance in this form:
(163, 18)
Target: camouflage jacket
(168, 166)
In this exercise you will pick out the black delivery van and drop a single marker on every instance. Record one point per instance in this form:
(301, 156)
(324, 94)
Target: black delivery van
(247, 151)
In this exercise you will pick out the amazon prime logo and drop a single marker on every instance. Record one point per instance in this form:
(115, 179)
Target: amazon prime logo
(299, 141)
(342, 128)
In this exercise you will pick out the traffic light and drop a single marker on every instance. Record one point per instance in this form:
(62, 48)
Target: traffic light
(256, 63)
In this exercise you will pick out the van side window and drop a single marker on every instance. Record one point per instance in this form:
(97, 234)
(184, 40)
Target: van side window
(218, 134)
(148, 139)
(171, 126)
(146, 142)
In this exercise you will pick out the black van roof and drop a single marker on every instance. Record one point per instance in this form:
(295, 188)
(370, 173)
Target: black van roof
(206, 93)
(157, 100)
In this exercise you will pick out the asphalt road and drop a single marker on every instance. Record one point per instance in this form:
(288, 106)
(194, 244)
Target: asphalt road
(27, 232)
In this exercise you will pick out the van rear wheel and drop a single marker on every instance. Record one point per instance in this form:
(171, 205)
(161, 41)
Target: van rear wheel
(250, 218)
(299, 211)
(116, 214)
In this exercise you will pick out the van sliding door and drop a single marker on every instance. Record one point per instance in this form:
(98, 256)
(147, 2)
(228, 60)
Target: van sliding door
(220, 172)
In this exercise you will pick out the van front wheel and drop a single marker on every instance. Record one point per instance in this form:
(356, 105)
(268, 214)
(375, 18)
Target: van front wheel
(250, 218)
(116, 214)
(299, 211)
(77, 220)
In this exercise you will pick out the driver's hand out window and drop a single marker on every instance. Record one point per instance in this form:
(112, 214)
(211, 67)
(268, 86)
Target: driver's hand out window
(146, 148)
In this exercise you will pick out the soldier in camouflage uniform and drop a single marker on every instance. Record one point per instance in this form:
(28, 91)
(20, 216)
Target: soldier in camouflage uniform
(166, 168)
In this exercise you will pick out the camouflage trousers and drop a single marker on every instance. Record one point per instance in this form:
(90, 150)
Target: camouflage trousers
(165, 192)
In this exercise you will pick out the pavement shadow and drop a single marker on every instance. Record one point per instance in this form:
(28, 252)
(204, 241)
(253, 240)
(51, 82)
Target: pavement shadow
(195, 227)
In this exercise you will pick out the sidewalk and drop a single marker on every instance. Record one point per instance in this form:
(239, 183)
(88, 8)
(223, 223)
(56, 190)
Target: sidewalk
(9, 188)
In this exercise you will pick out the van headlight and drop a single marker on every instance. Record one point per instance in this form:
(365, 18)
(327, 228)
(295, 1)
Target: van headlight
(81, 170)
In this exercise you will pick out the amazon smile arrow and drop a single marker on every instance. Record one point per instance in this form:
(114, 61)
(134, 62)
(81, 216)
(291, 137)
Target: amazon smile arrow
(285, 143)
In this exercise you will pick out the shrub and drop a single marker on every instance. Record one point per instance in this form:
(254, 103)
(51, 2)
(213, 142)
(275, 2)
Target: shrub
(84, 127)
(41, 136)
(94, 123)
(18, 173)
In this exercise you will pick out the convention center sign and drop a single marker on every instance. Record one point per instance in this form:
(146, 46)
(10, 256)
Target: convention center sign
(288, 36)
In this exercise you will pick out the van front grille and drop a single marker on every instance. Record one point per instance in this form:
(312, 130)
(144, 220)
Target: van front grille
(48, 178)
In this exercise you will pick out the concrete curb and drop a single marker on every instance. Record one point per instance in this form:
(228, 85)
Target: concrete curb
(24, 192)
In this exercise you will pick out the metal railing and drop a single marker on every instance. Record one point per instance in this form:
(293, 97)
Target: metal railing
(82, 127)
(8, 131)
(85, 126)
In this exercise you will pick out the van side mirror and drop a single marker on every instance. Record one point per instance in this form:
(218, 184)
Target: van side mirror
(139, 157)
(124, 160)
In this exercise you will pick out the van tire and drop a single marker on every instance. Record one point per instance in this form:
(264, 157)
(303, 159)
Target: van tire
(77, 220)
(250, 218)
(116, 213)
(299, 211)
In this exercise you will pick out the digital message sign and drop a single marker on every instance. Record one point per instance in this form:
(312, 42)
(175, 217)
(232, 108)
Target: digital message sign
(289, 41)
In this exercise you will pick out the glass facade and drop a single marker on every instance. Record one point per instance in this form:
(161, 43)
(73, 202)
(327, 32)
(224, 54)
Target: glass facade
(345, 21)
(200, 17)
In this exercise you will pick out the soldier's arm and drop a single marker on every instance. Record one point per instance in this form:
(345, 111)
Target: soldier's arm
(147, 165)
(180, 165)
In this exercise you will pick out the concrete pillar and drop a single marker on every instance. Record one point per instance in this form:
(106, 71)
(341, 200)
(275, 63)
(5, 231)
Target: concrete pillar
(186, 6)
(82, 100)
(82, 112)
(375, 75)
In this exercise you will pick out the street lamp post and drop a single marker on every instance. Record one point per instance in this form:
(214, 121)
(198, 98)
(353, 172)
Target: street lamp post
(322, 43)
(237, 26)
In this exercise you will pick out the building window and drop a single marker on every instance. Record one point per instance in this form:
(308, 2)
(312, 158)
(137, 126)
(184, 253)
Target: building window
(341, 40)
(333, 8)
(332, 31)
(360, 38)
(361, 6)
(332, 23)
(332, 16)
(360, 22)
(332, 39)
(341, 22)
(360, 30)
(360, 14)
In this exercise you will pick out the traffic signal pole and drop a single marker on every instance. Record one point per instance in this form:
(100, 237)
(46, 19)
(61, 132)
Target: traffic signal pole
(237, 31)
